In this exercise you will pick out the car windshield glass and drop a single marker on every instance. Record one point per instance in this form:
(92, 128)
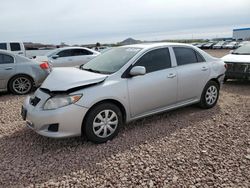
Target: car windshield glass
(51, 53)
(243, 50)
(111, 61)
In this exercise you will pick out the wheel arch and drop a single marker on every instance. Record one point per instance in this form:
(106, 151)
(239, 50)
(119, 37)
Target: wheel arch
(215, 80)
(113, 101)
(19, 74)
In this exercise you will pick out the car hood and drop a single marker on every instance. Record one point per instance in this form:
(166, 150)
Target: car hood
(67, 78)
(236, 58)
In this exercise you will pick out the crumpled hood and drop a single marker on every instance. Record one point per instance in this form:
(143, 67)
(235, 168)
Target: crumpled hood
(236, 58)
(66, 78)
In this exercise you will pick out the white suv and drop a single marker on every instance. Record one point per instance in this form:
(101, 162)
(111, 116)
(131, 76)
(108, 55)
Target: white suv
(15, 47)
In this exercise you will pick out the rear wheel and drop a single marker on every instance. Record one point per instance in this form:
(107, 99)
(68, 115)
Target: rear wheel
(102, 123)
(20, 85)
(209, 95)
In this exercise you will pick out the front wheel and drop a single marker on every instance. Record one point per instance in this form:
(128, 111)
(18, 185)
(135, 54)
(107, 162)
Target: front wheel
(102, 123)
(210, 95)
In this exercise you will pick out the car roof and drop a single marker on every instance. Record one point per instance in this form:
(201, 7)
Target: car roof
(154, 45)
(72, 47)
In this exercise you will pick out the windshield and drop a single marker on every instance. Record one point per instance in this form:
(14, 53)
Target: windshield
(111, 61)
(51, 53)
(243, 50)
(220, 43)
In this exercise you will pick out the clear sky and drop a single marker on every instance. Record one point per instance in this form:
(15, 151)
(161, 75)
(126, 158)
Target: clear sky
(89, 21)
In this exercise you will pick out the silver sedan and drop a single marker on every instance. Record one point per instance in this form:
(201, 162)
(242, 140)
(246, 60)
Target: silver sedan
(121, 85)
(19, 74)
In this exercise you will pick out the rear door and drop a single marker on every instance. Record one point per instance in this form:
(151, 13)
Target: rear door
(7, 69)
(157, 88)
(193, 73)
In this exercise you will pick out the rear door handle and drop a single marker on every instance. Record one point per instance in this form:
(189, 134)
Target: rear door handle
(204, 68)
(8, 68)
(171, 75)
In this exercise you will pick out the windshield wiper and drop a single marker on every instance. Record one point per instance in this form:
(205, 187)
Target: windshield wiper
(91, 70)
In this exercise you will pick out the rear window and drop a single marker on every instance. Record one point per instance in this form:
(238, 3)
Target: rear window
(3, 46)
(6, 59)
(15, 47)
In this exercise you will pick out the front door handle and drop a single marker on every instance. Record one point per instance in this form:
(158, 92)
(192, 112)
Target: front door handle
(171, 75)
(204, 68)
(8, 68)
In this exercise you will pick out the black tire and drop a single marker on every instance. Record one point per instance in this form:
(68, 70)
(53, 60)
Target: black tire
(25, 78)
(204, 101)
(88, 125)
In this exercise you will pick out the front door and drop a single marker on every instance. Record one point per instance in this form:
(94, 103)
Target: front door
(157, 88)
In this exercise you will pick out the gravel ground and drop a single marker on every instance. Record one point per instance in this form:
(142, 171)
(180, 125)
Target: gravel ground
(188, 147)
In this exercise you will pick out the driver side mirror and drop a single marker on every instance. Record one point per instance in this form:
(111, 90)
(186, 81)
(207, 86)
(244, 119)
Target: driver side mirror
(137, 71)
(231, 51)
(55, 56)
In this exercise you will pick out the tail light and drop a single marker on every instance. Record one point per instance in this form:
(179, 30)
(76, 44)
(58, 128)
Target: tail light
(44, 65)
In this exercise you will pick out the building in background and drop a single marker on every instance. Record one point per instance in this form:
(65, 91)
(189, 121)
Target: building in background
(241, 34)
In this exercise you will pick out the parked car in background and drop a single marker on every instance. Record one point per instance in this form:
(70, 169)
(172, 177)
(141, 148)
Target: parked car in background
(208, 45)
(121, 85)
(238, 63)
(219, 45)
(224, 45)
(15, 47)
(200, 45)
(19, 74)
(231, 45)
(68, 56)
(243, 43)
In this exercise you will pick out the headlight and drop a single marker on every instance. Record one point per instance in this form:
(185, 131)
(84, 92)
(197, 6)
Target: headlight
(60, 101)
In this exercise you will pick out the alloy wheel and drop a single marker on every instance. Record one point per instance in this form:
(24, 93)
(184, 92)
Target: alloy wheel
(211, 95)
(22, 85)
(105, 123)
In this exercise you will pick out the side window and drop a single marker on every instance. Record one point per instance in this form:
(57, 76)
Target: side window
(3, 46)
(6, 59)
(199, 57)
(77, 52)
(186, 56)
(65, 53)
(155, 60)
(15, 47)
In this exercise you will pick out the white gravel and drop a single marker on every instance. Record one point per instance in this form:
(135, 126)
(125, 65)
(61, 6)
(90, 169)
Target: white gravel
(188, 147)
